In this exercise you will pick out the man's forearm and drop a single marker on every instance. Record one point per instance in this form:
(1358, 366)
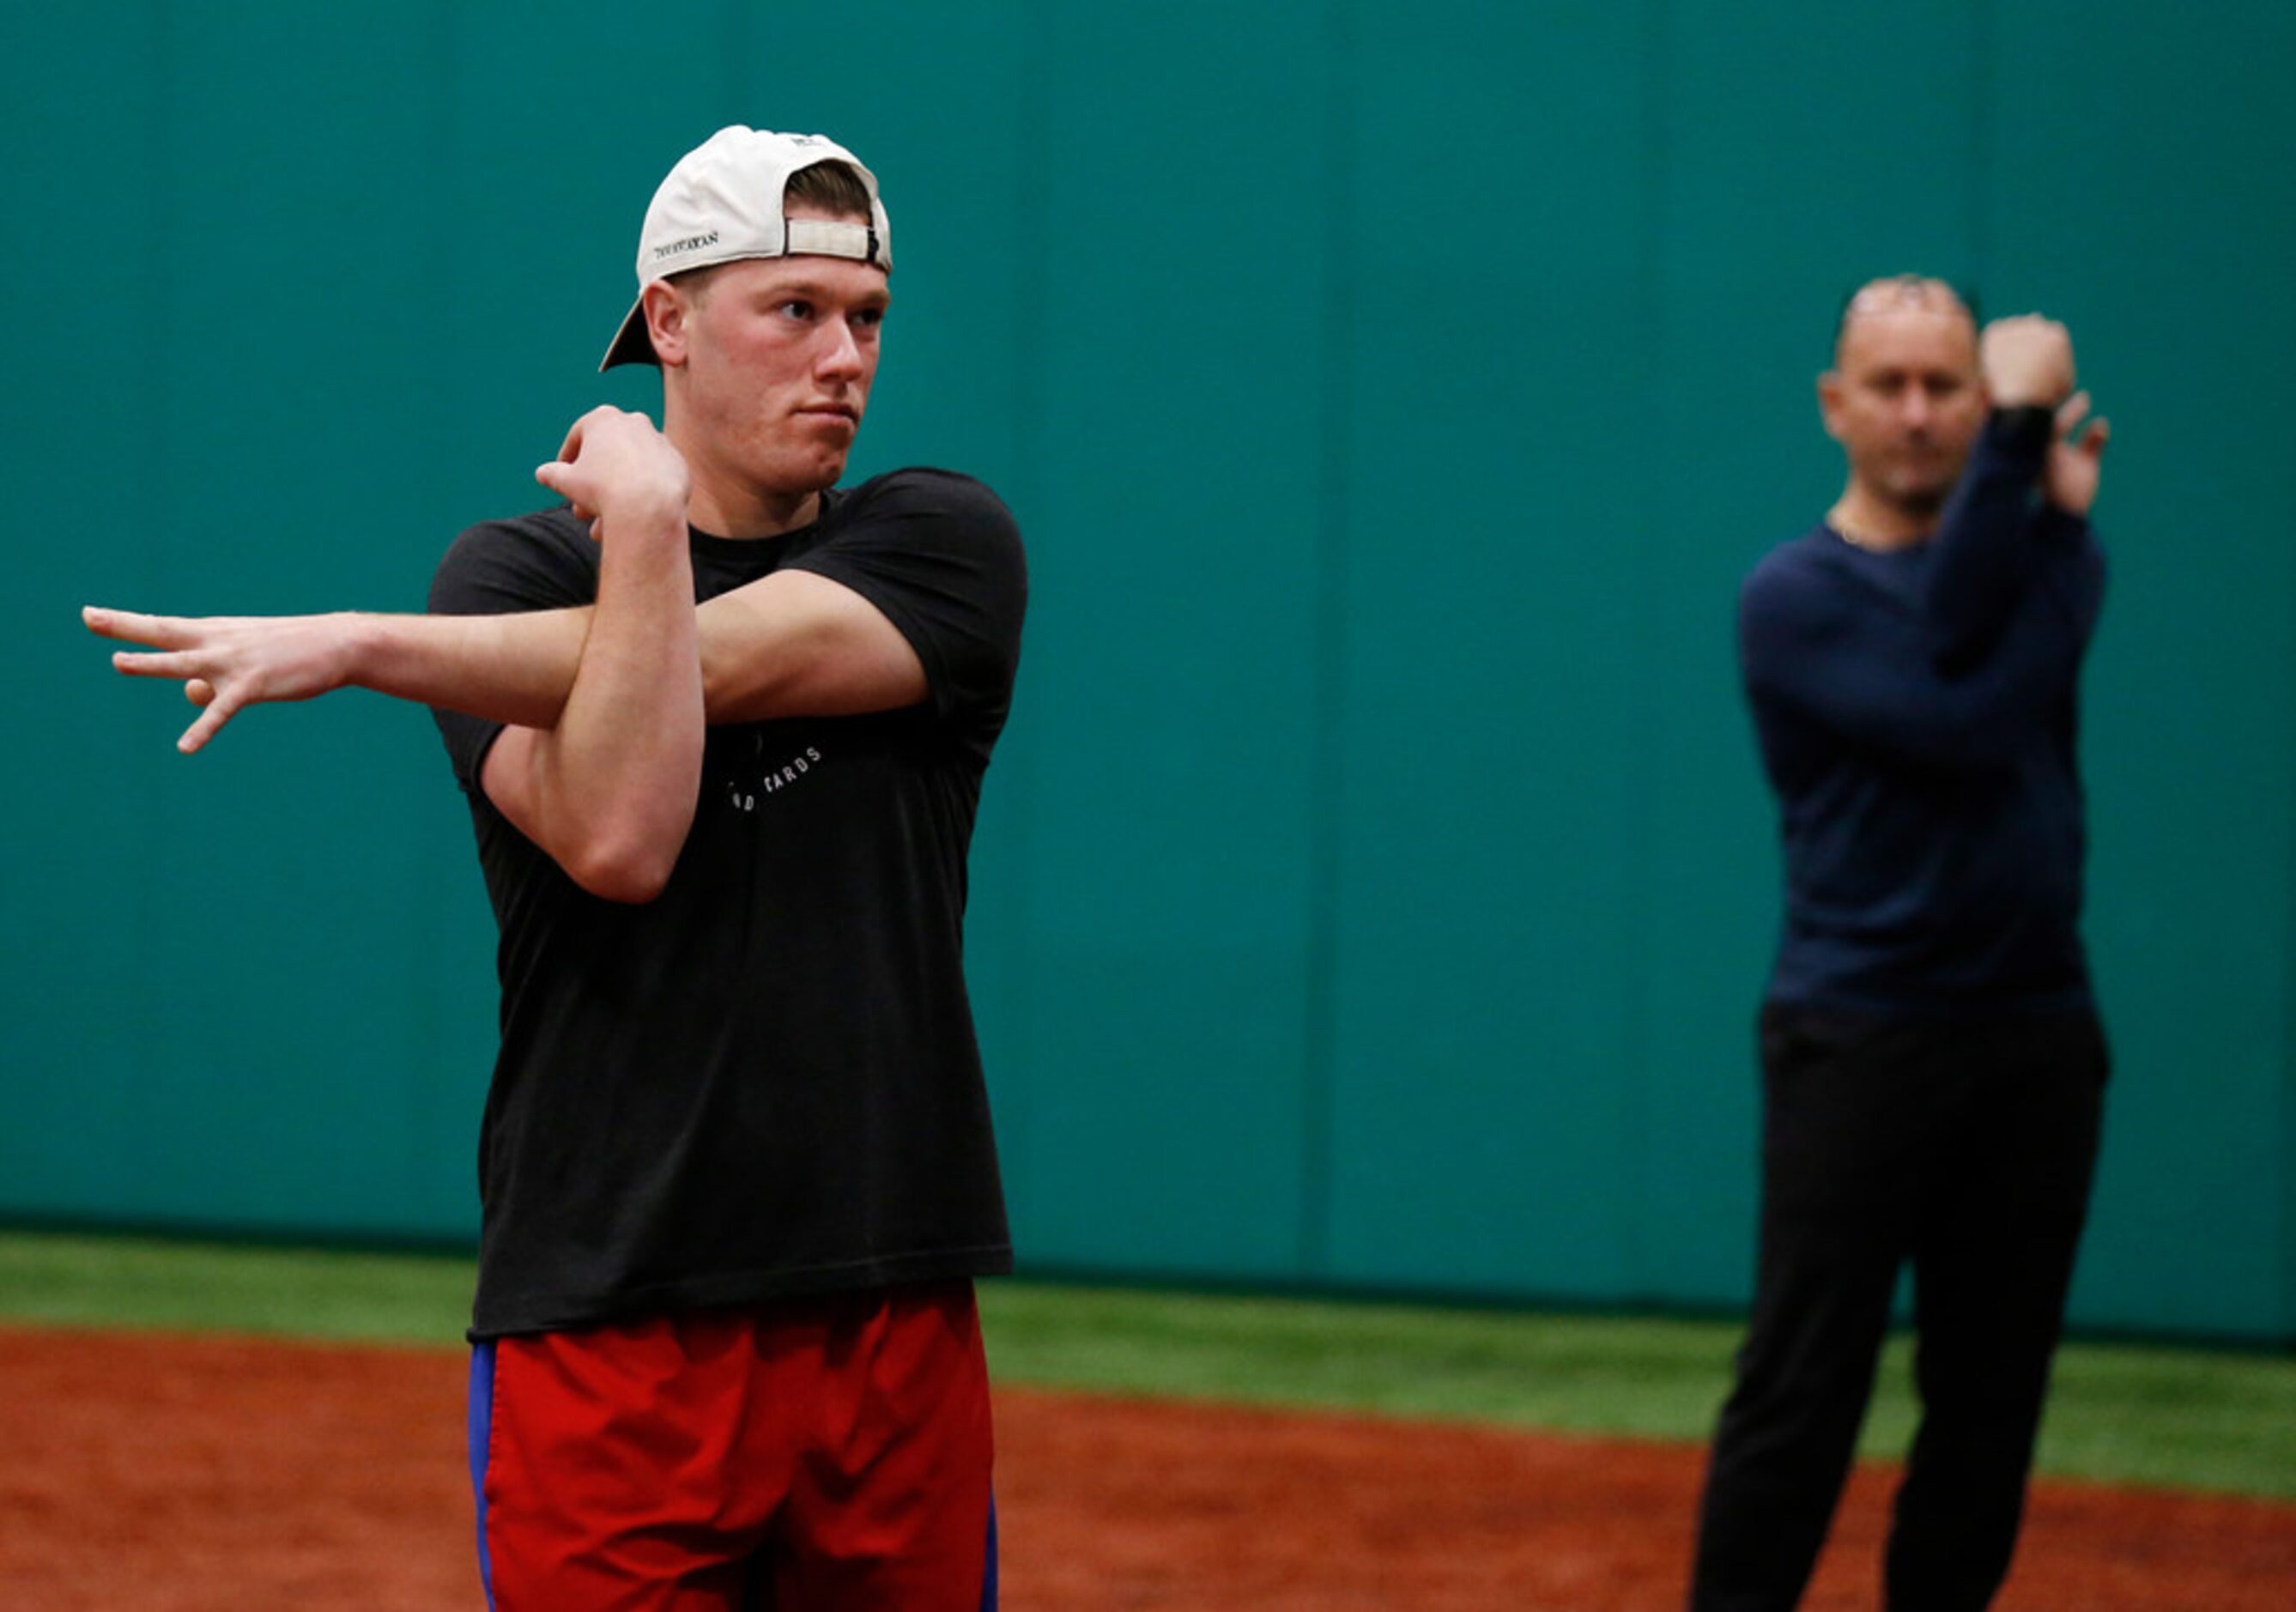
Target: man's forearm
(516, 669)
(519, 668)
(1982, 556)
(610, 790)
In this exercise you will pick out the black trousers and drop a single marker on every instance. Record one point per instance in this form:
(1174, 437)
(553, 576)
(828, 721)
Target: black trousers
(1967, 1150)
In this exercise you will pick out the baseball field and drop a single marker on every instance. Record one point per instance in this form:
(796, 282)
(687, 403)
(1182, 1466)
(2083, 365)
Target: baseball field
(192, 1429)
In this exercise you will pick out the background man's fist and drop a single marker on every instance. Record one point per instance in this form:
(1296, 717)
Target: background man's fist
(2027, 360)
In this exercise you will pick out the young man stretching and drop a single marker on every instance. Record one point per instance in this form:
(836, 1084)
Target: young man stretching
(722, 727)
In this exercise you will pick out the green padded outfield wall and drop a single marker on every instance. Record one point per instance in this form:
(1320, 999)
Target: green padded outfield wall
(1374, 886)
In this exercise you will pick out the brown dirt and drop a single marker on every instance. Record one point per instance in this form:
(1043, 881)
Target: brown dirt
(168, 1474)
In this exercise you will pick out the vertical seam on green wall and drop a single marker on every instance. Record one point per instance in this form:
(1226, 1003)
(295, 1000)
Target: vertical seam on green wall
(150, 459)
(1981, 155)
(2284, 1312)
(1328, 628)
(1015, 765)
(429, 1082)
(2285, 1324)
(1634, 1133)
(735, 85)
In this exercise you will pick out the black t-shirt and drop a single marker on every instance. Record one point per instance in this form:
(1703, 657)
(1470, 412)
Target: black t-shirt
(764, 1082)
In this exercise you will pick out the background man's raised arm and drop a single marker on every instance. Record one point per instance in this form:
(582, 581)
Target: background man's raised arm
(1983, 556)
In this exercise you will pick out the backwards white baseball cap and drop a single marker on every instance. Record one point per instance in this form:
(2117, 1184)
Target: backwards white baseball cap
(723, 201)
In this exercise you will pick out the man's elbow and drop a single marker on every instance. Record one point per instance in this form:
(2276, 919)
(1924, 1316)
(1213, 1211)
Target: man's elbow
(627, 886)
(631, 868)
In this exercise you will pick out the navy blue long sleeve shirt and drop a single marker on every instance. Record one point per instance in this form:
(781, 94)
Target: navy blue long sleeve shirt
(1916, 711)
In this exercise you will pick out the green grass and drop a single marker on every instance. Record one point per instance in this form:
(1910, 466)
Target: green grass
(1658, 1378)
(97, 1281)
(2120, 1413)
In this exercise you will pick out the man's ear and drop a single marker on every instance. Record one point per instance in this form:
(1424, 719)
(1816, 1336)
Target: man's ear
(1829, 402)
(666, 310)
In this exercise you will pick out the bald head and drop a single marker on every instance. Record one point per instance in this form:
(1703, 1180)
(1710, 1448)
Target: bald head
(1900, 294)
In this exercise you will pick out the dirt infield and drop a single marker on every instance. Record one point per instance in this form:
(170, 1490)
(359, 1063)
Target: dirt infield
(173, 1475)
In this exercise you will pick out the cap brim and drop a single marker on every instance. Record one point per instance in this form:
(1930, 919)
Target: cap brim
(632, 344)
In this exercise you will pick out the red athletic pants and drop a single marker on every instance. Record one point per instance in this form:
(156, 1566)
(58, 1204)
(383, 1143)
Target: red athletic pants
(833, 1453)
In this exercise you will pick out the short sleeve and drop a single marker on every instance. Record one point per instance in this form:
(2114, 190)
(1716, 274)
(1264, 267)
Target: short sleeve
(940, 556)
(540, 562)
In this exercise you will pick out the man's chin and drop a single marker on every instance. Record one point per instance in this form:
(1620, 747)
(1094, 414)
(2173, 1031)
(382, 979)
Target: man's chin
(1917, 495)
(817, 473)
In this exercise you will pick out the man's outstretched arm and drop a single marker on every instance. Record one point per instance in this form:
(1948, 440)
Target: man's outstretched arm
(593, 765)
(516, 669)
(791, 644)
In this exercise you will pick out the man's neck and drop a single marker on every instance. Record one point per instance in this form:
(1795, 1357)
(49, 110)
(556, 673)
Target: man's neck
(747, 512)
(1877, 523)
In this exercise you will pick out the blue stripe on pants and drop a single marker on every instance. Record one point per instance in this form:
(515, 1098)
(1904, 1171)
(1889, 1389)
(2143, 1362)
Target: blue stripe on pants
(988, 1568)
(481, 1429)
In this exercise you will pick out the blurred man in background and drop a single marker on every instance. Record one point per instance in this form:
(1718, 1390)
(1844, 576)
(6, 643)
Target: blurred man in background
(1933, 1066)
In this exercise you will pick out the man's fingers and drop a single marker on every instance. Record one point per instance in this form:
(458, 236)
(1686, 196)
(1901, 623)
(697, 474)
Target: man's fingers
(2071, 412)
(168, 632)
(198, 691)
(2093, 440)
(572, 446)
(210, 723)
(559, 477)
(157, 663)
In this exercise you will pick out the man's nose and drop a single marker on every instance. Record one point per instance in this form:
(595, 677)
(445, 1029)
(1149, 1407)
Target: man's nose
(841, 353)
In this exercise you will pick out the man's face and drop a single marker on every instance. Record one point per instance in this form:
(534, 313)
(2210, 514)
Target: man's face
(1904, 397)
(779, 357)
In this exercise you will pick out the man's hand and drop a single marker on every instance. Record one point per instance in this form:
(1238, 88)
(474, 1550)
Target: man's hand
(2027, 360)
(619, 473)
(228, 663)
(2069, 477)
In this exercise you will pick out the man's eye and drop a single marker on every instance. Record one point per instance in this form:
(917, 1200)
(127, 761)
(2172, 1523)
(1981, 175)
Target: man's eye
(798, 309)
(869, 318)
